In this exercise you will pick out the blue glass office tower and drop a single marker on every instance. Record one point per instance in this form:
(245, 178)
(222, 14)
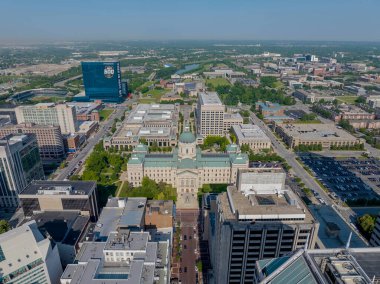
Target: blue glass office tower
(102, 81)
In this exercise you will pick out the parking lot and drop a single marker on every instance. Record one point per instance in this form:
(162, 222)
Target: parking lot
(367, 169)
(295, 113)
(344, 177)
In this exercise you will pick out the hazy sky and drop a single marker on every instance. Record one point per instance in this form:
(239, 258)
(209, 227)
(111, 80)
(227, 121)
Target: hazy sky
(192, 19)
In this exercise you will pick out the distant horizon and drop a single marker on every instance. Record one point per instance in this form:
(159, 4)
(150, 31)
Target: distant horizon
(232, 42)
(291, 20)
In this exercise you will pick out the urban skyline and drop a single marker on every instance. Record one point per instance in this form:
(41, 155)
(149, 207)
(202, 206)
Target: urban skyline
(202, 142)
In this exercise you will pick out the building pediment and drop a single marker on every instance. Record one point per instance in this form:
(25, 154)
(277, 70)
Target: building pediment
(187, 173)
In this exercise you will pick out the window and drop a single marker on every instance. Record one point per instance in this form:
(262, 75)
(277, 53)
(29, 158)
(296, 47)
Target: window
(2, 256)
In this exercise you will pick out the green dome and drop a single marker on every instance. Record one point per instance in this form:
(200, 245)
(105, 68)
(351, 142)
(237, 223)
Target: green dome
(187, 137)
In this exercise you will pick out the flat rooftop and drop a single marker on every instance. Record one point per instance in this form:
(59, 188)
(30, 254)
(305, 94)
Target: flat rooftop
(50, 187)
(316, 131)
(161, 206)
(210, 98)
(151, 112)
(153, 131)
(62, 226)
(324, 266)
(232, 116)
(349, 265)
(236, 206)
(128, 212)
(12, 139)
(29, 125)
(135, 241)
(83, 107)
(250, 131)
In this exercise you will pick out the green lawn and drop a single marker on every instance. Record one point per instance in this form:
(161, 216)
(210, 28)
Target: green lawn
(217, 82)
(146, 84)
(105, 113)
(147, 101)
(156, 93)
(278, 85)
(347, 99)
(153, 95)
(122, 192)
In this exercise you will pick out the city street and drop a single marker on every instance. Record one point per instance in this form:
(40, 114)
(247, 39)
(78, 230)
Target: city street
(188, 219)
(62, 174)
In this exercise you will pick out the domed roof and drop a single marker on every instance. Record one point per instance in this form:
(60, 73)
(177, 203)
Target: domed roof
(187, 137)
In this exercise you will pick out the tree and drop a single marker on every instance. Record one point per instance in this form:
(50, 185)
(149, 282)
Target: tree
(360, 100)
(245, 148)
(268, 81)
(308, 117)
(210, 141)
(345, 124)
(4, 226)
(367, 224)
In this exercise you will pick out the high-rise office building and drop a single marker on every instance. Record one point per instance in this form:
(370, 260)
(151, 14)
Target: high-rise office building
(20, 163)
(259, 219)
(49, 139)
(210, 114)
(27, 257)
(102, 81)
(60, 115)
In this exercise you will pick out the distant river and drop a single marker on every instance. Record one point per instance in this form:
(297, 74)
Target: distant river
(187, 68)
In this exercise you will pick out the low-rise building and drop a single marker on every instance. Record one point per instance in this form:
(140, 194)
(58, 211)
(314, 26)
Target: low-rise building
(326, 135)
(350, 112)
(251, 135)
(87, 128)
(365, 123)
(304, 96)
(87, 110)
(27, 257)
(127, 257)
(373, 101)
(73, 142)
(159, 219)
(118, 250)
(312, 97)
(231, 119)
(64, 228)
(358, 91)
(270, 109)
(49, 195)
(154, 123)
(159, 214)
(171, 97)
